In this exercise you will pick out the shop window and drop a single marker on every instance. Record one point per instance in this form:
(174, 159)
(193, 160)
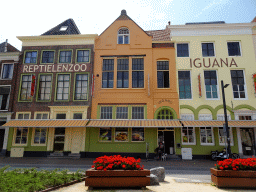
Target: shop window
(23, 115)
(25, 92)
(4, 97)
(108, 73)
(137, 112)
(137, 73)
(81, 87)
(83, 56)
(106, 113)
(122, 73)
(223, 136)
(123, 36)
(7, 71)
(234, 49)
(163, 74)
(188, 136)
(45, 83)
(208, 49)
(48, 57)
(206, 136)
(184, 85)
(121, 112)
(30, 57)
(21, 136)
(63, 87)
(40, 135)
(121, 135)
(165, 114)
(77, 116)
(245, 117)
(182, 50)
(65, 56)
(105, 135)
(42, 115)
(238, 84)
(211, 84)
(137, 134)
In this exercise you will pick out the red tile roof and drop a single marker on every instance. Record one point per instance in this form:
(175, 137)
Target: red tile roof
(160, 35)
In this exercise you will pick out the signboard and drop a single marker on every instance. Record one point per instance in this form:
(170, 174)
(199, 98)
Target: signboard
(54, 68)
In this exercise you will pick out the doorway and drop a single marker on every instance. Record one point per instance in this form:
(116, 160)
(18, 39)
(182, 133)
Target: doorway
(167, 138)
(2, 132)
(248, 141)
(59, 139)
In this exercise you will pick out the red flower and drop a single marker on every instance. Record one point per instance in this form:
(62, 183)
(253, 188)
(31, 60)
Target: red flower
(221, 168)
(123, 166)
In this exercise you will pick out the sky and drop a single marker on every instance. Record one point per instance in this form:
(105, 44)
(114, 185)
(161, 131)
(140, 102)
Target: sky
(33, 18)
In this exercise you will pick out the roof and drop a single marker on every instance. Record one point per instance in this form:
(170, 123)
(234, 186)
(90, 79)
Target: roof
(214, 123)
(254, 20)
(10, 48)
(160, 35)
(211, 22)
(133, 123)
(46, 123)
(69, 24)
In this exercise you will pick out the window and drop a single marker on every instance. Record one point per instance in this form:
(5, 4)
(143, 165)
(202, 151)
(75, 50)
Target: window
(63, 87)
(77, 116)
(21, 136)
(7, 70)
(207, 49)
(238, 84)
(42, 115)
(123, 36)
(184, 85)
(211, 85)
(187, 117)
(108, 73)
(220, 117)
(4, 97)
(165, 114)
(23, 116)
(105, 134)
(30, 57)
(65, 57)
(81, 87)
(83, 56)
(122, 113)
(245, 117)
(206, 136)
(182, 50)
(188, 136)
(40, 135)
(106, 113)
(63, 28)
(137, 134)
(25, 93)
(234, 49)
(137, 112)
(223, 136)
(205, 117)
(61, 116)
(138, 73)
(48, 57)
(121, 134)
(45, 83)
(163, 74)
(122, 73)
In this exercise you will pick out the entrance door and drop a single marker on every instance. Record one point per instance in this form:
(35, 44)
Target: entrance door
(59, 139)
(248, 141)
(2, 131)
(167, 138)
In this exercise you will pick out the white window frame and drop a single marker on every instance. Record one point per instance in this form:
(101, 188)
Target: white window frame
(245, 86)
(15, 135)
(239, 48)
(205, 128)
(213, 49)
(230, 136)
(33, 137)
(3, 71)
(187, 117)
(191, 83)
(194, 135)
(177, 49)
(221, 117)
(205, 117)
(123, 35)
(218, 93)
(17, 114)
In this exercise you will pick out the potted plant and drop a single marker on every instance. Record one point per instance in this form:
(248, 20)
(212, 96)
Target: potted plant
(235, 173)
(117, 171)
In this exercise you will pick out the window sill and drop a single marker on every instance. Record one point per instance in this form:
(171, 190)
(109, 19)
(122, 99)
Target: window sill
(207, 144)
(38, 145)
(188, 144)
(236, 56)
(223, 144)
(7, 79)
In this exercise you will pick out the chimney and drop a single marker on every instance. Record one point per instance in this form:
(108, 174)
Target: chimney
(169, 22)
(5, 45)
(123, 12)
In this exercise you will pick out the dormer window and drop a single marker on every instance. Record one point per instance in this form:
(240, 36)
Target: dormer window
(123, 36)
(63, 28)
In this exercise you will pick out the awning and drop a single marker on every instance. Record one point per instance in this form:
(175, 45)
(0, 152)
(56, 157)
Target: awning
(133, 123)
(47, 123)
(215, 123)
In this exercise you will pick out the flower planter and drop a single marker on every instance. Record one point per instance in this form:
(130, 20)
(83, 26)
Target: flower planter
(234, 179)
(117, 178)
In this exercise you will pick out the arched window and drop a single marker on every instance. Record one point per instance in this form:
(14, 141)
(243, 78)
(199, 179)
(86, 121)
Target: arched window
(123, 36)
(165, 114)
